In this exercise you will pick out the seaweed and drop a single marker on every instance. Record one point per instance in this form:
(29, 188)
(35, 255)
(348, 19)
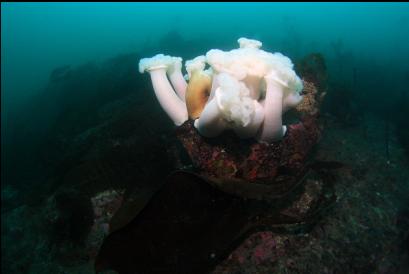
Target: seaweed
(189, 226)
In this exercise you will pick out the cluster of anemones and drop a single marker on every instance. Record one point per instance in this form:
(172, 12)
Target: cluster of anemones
(245, 90)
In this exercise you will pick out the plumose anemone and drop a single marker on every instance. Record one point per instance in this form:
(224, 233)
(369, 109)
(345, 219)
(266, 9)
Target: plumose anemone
(245, 90)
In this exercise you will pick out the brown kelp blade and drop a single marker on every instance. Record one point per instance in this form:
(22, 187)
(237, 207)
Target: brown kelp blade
(190, 225)
(187, 227)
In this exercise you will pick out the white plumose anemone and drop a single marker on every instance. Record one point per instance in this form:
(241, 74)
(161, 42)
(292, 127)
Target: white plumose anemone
(173, 105)
(176, 77)
(233, 108)
(250, 90)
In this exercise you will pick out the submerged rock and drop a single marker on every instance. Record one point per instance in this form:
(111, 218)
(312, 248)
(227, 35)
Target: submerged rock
(190, 225)
(227, 157)
(195, 220)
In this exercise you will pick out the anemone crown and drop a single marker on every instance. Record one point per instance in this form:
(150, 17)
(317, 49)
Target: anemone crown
(249, 90)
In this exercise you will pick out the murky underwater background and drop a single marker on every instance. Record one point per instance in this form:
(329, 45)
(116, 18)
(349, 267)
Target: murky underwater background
(78, 120)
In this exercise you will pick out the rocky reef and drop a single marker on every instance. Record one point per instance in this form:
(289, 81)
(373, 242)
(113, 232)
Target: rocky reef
(106, 156)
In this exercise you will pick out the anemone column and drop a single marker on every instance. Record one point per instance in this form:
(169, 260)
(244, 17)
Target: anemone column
(177, 79)
(170, 102)
(272, 128)
(210, 123)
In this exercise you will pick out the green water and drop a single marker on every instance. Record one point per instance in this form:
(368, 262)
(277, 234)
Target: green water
(50, 128)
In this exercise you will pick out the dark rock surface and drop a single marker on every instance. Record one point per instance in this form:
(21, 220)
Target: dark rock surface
(99, 128)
